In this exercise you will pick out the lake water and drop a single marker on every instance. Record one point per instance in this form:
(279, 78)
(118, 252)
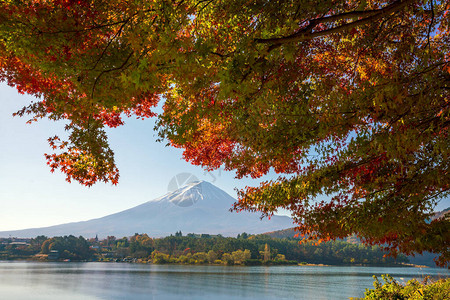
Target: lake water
(32, 280)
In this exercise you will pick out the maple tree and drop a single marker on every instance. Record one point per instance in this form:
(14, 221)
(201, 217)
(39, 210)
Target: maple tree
(348, 99)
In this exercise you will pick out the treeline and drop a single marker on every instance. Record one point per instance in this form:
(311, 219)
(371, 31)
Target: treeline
(333, 253)
(198, 249)
(66, 247)
(12, 248)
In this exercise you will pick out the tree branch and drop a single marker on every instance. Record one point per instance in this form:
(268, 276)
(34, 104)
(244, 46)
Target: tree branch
(110, 70)
(431, 24)
(307, 34)
(109, 43)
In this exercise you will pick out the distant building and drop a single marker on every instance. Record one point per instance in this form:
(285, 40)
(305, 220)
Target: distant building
(16, 241)
(19, 243)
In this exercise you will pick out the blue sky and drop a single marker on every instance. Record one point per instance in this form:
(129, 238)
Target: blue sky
(31, 196)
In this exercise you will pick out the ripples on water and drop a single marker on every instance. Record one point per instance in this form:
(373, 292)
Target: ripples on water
(31, 280)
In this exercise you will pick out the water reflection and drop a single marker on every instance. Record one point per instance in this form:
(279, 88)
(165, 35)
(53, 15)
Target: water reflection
(29, 280)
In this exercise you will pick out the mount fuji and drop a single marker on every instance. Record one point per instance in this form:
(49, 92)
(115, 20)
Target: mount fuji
(198, 207)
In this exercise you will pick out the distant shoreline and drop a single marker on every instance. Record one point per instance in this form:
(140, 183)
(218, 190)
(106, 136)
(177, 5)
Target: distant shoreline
(271, 264)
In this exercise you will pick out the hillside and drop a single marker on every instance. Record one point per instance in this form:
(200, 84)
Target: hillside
(199, 207)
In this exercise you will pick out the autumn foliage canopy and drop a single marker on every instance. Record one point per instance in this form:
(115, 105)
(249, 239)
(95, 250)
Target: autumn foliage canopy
(349, 99)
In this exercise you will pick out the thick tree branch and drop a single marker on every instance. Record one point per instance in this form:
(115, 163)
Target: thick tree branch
(367, 17)
(431, 24)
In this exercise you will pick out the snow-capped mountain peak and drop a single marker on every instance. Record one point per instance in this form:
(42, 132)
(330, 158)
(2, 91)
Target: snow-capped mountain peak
(198, 207)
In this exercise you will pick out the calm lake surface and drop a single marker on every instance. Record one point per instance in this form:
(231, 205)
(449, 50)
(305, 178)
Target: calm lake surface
(32, 280)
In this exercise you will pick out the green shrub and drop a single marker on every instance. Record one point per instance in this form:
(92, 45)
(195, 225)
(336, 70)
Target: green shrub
(413, 290)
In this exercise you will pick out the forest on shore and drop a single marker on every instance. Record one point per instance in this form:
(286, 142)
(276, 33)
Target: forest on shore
(245, 249)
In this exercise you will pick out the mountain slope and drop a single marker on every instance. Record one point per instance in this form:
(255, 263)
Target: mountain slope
(199, 207)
